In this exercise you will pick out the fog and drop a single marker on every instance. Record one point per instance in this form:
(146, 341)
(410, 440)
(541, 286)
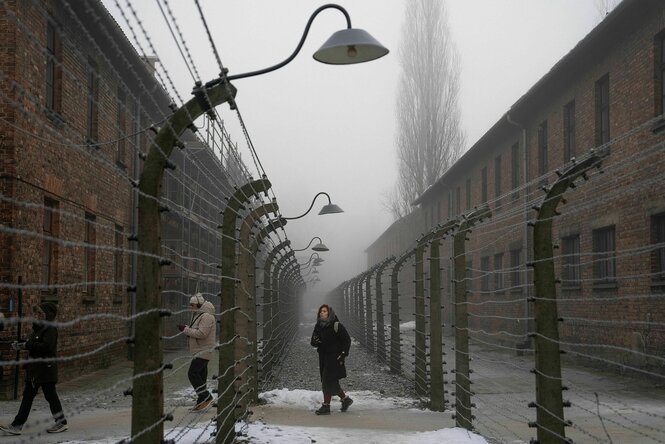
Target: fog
(329, 128)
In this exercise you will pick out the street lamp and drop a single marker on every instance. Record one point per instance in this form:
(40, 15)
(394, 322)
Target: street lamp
(318, 247)
(330, 208)
(344, 47)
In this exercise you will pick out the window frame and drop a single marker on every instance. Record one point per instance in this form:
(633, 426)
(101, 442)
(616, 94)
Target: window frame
(604, 256)
(497, 181)
(499, 284)
(50, 228)
(92, 109)
(571, 269)
(89, 255)
(515, 169)
(569, 146)
(543, 166)
(658, 254)
(602, 98)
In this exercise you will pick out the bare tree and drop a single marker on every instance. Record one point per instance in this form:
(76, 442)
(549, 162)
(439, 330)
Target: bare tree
(430, 138)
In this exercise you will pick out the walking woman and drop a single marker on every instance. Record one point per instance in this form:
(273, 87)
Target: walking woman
(332, 341)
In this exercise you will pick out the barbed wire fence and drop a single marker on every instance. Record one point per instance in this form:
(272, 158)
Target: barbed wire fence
(134, 292)
(528, 323)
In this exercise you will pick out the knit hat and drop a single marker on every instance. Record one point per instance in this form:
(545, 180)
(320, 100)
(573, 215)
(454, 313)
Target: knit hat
(197, 299)
(49, 309)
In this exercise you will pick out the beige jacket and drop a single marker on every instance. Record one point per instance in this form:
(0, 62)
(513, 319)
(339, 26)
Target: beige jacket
(202, 332)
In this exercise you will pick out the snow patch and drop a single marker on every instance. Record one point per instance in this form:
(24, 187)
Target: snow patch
(311, 400)
(407, 326)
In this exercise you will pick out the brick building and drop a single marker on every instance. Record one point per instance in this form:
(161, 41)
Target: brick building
(77, 104)
(607, 91)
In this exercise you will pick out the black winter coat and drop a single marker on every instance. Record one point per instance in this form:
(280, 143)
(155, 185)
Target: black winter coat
(42, 344)
(331, 345)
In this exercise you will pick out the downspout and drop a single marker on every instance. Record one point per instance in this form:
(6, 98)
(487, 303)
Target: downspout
(525, 180)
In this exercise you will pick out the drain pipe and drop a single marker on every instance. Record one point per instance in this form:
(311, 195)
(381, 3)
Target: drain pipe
(525, 180)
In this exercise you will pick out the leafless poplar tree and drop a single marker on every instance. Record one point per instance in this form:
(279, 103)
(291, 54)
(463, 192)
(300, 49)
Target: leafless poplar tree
(430, 137)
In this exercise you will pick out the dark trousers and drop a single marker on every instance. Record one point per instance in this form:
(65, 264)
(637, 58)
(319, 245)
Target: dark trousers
(29, 394)
(198, 374)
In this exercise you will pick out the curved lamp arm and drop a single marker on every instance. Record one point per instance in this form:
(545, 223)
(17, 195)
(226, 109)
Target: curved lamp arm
(309, 260)
(298, 48)
(330, 208)
(318, 247)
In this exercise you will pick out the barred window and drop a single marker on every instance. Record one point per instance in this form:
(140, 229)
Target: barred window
(118, 271)
(485, 270)
(569, 131)
(603, 110)
(658, 238)
(604, 269)
(89, 256)
(498, 271)
(497, 181)
(515, 270)
(570, 262)
(49, 247)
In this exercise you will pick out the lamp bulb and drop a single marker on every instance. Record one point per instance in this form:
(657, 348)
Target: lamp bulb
(351, 51)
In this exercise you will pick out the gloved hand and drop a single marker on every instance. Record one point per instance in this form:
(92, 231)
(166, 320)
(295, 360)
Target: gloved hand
(316, 340)
(181, 327)
(16, 345)
(341, 358)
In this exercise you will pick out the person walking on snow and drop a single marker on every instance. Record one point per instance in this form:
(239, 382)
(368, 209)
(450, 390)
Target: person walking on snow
(332, 342)
(202, 341)
(41, 345)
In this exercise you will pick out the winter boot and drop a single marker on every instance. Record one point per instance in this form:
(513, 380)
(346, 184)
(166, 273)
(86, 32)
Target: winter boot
(346, 403)
(324, 410)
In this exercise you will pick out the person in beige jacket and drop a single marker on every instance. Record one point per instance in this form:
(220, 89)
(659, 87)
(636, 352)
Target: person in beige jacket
(202, 340)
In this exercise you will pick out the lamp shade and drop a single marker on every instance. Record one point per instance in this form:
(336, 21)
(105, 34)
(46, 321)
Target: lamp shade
(320, 247)
(350, 46)
(330, 209)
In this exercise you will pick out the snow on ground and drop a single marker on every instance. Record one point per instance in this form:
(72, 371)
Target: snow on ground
(311, 400)
(407, 326)
(260, 433)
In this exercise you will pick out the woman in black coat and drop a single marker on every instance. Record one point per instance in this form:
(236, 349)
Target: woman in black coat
(332, 341)
(41, 345)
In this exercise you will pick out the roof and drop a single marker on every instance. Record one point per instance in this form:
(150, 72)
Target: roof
(601, 37)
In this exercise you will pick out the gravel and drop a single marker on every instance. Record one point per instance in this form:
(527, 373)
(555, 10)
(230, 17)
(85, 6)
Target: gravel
(300, 370)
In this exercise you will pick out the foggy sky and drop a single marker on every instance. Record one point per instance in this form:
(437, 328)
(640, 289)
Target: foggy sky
(332, 128)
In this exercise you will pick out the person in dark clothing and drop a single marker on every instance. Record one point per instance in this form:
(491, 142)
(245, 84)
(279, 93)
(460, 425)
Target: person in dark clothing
(41, 345)
(332, 342)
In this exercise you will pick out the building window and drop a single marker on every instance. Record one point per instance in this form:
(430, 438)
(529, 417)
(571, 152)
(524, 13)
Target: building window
(122, 129)
(604, 262)
(485, 271)
(53, 71)
(458, 201)
(542, 151)
(569, 131)
(658, 254)
(89, 254)
(571, 275)
(483, 185)
(468, 274)
(450, 204)
(498, 271)
(118, 271)
(515, 270)
(468, 194)
(515, 169)
(497, 181)
(660, 73)
(603, 110)
(92, 123)
(49, 247)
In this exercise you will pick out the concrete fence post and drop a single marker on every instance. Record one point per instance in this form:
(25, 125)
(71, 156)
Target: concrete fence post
(147, 388)
(463, 416)
(380, 317)
(226, 405)
(549, 404)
